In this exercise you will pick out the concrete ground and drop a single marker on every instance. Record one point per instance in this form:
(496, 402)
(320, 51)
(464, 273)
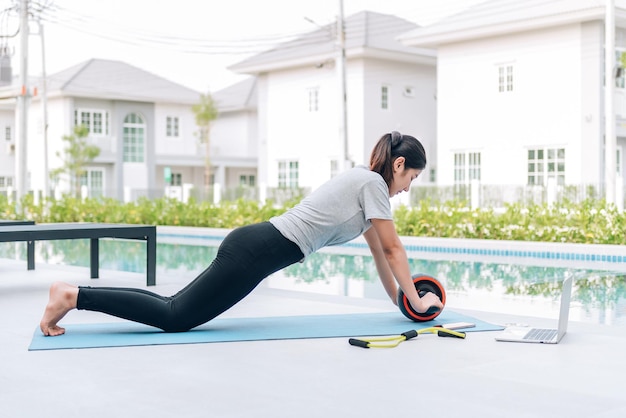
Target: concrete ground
(583, 376)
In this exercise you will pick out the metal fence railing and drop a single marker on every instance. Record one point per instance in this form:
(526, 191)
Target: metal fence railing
(497, 196)
(475, 195)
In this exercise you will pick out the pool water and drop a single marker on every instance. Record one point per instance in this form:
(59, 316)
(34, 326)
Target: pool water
(521, 289)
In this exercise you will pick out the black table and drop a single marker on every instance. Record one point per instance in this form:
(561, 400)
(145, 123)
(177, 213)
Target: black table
(92, 231)
(6, 222)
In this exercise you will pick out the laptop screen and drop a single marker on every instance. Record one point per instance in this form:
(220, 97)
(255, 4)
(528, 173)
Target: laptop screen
(565, 300)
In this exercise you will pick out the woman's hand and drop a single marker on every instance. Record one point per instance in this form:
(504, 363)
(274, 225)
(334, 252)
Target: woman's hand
(426, 302)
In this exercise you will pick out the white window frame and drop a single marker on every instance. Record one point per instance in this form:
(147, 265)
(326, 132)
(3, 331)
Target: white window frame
(89, 179)
(385, 97)
(334, 168)
(172, 126)
(6, 182)
(176, 179)
(134, 151)
(288, 174)
(505, 78)
(103, 116)
(313, 99)
(545, 163)
(247, 180)
(467, 167)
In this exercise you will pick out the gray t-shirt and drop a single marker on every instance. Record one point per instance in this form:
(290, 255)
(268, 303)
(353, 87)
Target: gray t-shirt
(337, 212)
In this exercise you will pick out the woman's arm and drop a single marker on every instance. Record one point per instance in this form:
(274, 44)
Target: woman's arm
(382, 266)
(396, 257)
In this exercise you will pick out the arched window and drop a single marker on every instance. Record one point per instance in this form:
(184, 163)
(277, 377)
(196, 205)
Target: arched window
(134, 138)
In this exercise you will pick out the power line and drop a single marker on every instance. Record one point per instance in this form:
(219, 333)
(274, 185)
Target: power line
(112, 31)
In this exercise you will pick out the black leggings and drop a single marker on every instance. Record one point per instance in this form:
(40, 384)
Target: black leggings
(245, 257)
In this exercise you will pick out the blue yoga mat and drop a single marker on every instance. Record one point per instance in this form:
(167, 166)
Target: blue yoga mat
(119, 334)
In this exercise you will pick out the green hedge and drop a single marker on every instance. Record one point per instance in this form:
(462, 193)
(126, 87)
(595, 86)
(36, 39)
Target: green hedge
(592, 221)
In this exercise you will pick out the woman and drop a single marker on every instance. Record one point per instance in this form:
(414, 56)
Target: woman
(353, 203)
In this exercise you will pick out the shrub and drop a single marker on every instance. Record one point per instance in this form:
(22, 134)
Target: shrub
(591, 221)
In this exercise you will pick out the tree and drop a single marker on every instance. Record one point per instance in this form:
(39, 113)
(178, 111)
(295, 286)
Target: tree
(205, 112)
(76, 155)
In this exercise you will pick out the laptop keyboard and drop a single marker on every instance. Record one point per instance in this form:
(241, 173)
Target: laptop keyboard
(540, 334)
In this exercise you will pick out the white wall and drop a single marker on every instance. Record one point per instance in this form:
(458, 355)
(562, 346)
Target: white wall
(544, 108)
(412, 115)
(294, 133)
(185, 143)
(60, 123)
(233, 135)
(7, 157)
(313, 138)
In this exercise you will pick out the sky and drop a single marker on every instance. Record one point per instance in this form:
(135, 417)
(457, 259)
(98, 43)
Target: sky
(190, 42)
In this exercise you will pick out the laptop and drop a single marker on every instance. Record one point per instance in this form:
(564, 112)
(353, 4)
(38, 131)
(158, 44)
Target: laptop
(541, 335)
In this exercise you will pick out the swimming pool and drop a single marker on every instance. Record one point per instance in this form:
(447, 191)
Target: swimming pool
(521, 286)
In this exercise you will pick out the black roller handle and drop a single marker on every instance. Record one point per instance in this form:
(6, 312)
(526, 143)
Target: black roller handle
(410, 334)
(445, 333)
(432, 309)
(359, 343)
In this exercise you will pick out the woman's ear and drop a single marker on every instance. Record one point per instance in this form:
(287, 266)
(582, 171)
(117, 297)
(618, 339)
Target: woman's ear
(398, 164)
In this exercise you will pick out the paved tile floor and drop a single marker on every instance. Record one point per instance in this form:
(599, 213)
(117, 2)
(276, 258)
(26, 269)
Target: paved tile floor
(426, 377)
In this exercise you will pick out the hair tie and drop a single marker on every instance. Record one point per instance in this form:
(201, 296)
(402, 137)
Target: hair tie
(396, 137)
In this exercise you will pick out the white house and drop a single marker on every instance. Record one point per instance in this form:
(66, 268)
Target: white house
(7, 149)
(520, 92)
(143, 124)
(234, 139)
(389, 87)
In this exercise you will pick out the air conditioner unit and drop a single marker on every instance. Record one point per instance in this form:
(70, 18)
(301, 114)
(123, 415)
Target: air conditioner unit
(409, 91)
(10, 147)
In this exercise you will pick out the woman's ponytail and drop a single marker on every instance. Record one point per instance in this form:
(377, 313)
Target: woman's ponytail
(393, 145)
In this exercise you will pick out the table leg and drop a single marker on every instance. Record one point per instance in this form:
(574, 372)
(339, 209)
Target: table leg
(94, 257)
(151, 259)
(30, 255)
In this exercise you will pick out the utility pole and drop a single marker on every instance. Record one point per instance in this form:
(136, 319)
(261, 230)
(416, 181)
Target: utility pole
(609, 97)
(341, 71)
(44, 113)
(22, 106)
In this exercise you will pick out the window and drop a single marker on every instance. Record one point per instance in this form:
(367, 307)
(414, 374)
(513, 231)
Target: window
(171, 129)
(247, 180)
(474, 165)
(7, 133)
(6, 182)
(618, 160)
(432, 175)
(288, 174)
(314, 99)
(384, 97)
(94, 180)
(97, 121)
(334, 168)
(459, 168)
(176, 179)
(620, 73)
(466, 167)
(505, 78)
(133, 139)
(544, 164)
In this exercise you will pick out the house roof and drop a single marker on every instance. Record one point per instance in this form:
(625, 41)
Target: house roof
(499, 17)
(239, 96)
(366, 33)
(116, 80)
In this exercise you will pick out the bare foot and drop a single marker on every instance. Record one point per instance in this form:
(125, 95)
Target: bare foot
(63, 299)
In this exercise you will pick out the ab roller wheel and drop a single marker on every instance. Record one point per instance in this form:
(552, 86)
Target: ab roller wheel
(422, 284)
